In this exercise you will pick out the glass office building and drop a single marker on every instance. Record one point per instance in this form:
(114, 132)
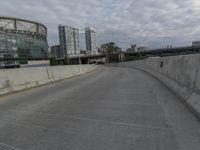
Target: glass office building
(90, 36)
(23, 39)
(69, 41)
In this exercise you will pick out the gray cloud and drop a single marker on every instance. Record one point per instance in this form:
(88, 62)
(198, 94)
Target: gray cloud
(146, 22)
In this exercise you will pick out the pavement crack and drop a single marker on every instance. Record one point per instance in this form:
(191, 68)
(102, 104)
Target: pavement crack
(98, 121)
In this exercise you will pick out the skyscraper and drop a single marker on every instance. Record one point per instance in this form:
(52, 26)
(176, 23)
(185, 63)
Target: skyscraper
(90, 36)
(69, 41)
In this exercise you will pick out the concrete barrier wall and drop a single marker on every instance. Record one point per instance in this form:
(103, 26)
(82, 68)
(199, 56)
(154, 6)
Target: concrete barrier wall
(13, 80)
(180, 73)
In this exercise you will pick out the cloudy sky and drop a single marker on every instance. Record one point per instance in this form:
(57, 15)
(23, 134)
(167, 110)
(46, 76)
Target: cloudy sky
(153, 23)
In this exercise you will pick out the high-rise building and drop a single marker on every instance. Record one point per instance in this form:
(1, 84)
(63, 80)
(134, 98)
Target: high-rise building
(90, 36)
(69, 41)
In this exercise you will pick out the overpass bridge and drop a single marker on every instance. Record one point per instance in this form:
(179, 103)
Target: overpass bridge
(112, 108)
(83, 59)
(162, 52)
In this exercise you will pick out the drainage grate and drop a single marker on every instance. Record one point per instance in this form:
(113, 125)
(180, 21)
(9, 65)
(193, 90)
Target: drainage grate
(7, 147)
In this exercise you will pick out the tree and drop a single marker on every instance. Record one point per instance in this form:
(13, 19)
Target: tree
(111, 51)
(110, 48)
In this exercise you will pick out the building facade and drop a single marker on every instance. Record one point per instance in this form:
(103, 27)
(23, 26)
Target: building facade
(23, 39)
(69, 41)
(196, 43)
(132, 49)
(55, 51)
(143, 49)
(90, 37)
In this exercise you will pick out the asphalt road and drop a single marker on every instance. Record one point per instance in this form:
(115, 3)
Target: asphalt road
(109, 109)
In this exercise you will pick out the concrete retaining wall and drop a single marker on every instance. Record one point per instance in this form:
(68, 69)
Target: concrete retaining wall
(180, 73)
(13, 80)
